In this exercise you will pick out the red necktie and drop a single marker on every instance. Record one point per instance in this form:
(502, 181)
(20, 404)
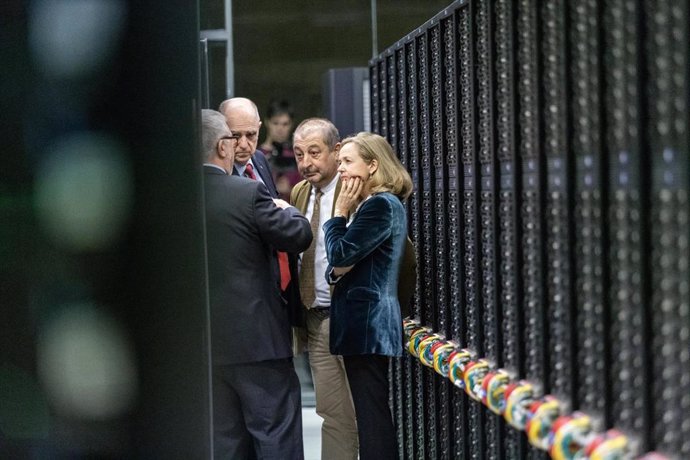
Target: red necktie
(249, 171)
(282, 256)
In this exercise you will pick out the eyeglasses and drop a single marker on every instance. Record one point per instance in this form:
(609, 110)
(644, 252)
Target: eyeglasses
(233, 137)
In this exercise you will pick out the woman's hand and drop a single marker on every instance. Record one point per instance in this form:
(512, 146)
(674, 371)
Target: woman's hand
(349, 196)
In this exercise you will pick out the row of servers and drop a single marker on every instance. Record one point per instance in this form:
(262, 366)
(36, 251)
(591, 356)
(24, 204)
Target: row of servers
(548, 142)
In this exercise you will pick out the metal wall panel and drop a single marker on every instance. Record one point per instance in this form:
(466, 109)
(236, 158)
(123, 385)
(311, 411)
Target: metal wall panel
(590, 267)
(628, 286)
(532, 199)
(508, 296)
(488, 178)
(452, 219)
(667, 49)
(548, 146)
(557, 211)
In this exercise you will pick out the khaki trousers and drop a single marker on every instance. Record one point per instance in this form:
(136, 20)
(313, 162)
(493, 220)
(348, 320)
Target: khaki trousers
(339, 439)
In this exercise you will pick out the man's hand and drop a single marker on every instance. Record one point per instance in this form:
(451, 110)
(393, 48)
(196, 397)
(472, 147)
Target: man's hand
(282, 204)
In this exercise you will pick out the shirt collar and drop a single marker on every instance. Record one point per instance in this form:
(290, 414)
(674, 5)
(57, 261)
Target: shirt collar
(240, 169)
(331, 185)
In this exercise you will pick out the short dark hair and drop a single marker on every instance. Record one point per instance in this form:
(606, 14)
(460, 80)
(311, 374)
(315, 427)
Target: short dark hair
(279, 107)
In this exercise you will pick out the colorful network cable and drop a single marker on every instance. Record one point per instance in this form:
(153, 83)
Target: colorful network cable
(542, 418)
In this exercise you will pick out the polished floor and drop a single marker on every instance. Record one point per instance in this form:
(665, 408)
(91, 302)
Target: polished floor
(311, 427)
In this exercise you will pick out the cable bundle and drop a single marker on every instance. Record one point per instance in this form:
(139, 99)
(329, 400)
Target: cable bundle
(563, 436)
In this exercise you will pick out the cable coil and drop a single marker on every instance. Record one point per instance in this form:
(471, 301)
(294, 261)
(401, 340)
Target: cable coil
(563, 436)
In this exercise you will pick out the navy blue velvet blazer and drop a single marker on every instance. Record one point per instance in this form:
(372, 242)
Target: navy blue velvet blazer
(365, 312)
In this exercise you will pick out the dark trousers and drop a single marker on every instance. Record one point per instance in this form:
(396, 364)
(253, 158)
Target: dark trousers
(368, 378)
(257, 411)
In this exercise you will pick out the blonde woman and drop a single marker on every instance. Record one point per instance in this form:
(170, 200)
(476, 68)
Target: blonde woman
(364, 262)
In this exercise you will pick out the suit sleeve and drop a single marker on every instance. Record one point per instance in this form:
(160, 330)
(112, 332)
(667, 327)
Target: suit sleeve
(285, 229)
(371, 226)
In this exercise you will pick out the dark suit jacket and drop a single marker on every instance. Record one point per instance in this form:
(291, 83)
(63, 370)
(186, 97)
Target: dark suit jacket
(249, 319)
(291, 293)
(365, 312)
(408, 274)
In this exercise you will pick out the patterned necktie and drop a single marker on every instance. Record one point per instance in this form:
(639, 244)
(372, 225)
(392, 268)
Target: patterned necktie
(306, 278)
(249, 172)
(283, 262)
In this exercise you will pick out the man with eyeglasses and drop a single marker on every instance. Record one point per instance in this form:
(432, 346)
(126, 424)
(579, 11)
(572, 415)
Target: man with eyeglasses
(256, 393)
(242, 117)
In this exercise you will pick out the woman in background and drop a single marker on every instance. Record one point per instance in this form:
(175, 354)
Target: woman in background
(277, 147)
(364, 257)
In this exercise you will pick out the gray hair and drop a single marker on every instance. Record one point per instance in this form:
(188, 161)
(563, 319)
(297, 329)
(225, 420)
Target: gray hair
(326, 128)
(213, 127)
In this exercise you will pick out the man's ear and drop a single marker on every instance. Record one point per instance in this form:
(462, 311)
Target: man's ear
(222, 149)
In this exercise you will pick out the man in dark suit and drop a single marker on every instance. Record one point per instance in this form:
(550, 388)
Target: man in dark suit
(242, 117)
(256, 393)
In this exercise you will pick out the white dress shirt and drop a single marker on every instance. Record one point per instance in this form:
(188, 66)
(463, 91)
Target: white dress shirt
(240, 170)
(323, 293)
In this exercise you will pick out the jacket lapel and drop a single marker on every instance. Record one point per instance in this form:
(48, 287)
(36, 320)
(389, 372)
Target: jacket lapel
(302, 197)
(261, 170)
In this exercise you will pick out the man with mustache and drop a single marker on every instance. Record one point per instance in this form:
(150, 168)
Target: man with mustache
(316, 143)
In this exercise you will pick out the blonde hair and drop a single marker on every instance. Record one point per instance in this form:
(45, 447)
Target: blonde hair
(390, 176)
